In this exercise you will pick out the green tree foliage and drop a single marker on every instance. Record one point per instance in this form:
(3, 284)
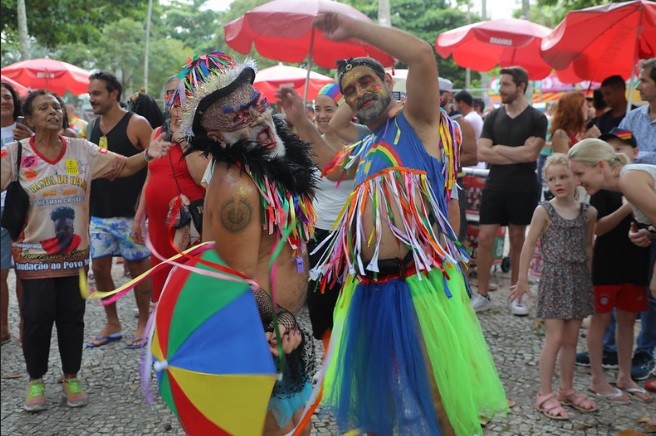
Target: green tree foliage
(57, 22)
(557, 9)
(187, 22)
(425, 19)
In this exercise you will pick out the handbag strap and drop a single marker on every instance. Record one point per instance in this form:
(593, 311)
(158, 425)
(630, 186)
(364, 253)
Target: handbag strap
(173, 172)
(18, 158)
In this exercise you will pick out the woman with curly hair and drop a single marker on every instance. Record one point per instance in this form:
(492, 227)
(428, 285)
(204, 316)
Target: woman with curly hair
(568, 123)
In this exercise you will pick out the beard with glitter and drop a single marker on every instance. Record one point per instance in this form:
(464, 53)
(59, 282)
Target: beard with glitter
(375, 108)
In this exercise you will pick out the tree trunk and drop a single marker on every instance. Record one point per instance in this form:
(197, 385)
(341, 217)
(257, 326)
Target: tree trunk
(23, 36)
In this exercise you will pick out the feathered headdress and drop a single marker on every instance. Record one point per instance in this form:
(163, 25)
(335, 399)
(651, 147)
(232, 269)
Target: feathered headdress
(205, 79)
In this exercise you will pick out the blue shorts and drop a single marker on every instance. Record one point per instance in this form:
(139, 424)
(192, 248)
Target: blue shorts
(111, 237)
(5, 250)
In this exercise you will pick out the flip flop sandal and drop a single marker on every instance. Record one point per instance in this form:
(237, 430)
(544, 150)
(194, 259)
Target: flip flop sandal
(638, 393)
(577, 400)
(137, 344)
(101, 341)
(613, 397)
(551, 407)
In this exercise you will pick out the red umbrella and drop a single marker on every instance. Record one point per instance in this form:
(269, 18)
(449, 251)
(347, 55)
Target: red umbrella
(269, 80)
(506, 42)
(20, 89)
(601, 41)
(282, 30)
(50, 74)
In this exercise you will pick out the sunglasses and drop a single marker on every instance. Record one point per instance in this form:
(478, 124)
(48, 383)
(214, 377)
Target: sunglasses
(244, 115)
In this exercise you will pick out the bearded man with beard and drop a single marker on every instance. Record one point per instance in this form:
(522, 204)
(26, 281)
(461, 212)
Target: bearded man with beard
(510, 143)
(407, 352)
(260, 184)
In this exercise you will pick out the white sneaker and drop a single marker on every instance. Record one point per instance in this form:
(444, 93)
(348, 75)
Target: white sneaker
(518, 309)
(481, 303)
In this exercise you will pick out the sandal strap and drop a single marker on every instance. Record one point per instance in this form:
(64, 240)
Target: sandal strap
(550, 405)
(576, 398)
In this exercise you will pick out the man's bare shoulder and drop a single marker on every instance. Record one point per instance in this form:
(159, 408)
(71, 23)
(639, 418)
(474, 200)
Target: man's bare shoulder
(230, 179)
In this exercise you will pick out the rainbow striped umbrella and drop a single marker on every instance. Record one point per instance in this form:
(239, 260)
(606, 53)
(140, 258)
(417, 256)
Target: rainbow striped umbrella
(214, 367)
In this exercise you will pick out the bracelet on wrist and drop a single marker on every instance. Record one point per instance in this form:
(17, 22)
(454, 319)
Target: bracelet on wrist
(147, 157)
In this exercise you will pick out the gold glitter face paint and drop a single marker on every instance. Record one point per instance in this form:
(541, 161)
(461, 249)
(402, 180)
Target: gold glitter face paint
(365, 93)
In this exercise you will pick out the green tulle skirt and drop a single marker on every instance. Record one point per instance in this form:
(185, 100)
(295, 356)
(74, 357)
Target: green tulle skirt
(449, 335)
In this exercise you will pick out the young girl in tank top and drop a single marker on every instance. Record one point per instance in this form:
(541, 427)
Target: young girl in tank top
(565, 227)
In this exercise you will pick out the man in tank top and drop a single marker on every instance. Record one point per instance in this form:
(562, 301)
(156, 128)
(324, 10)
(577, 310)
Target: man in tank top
(113, 204)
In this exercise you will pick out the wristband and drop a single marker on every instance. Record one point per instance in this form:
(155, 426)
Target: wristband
(147, 157)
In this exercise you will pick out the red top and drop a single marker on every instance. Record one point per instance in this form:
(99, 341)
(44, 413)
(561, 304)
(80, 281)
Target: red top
(160, 189)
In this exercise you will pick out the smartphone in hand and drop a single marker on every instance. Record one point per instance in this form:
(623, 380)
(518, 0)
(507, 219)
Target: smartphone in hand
(21, 120)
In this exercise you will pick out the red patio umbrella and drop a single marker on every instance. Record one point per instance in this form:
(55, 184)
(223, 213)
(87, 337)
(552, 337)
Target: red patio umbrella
(50, 74)
(601, 41)
(269, 80)
(282, 30)
(506, 42)
(20, 89)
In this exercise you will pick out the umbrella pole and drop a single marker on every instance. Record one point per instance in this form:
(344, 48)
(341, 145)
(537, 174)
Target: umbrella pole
(629, 101)
(309, 65)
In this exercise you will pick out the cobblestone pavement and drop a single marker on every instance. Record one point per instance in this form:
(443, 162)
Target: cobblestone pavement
(110, 375)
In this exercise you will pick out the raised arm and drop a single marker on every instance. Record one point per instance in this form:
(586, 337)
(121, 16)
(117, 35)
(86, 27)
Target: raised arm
(421, 108)
(342, 125)
(292, 104)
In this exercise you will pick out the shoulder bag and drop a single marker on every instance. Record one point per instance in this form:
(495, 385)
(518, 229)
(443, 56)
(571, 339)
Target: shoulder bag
(17, 203)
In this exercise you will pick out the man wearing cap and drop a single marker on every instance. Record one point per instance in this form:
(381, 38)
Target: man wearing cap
(510, 143)
(407, 352)
(620, 282)
(258, 209)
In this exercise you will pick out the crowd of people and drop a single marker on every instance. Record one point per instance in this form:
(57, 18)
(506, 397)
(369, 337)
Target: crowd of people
(356, 210)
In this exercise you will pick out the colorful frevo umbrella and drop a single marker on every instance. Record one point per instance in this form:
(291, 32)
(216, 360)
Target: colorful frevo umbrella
(214, 367)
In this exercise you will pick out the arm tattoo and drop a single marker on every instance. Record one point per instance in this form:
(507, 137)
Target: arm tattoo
(236, 214)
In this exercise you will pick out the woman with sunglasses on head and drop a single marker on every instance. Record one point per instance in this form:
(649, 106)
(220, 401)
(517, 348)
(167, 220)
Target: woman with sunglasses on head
(177, 175)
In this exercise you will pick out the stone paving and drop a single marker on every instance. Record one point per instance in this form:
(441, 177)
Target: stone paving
(116, 407)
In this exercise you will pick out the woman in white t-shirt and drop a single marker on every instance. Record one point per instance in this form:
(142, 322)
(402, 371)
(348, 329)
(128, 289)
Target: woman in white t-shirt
(329, 199)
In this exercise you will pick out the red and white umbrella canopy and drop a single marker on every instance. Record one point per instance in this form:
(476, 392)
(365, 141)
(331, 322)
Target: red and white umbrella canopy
(53, 75)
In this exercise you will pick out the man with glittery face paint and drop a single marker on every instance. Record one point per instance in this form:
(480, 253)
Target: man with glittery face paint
(258, 210)
(243, 114)
(407, 354)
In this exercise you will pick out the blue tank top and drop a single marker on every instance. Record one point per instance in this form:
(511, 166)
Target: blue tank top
(396, 145)
(395, 171)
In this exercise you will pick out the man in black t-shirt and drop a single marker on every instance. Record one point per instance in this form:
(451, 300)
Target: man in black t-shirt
(510, 142)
